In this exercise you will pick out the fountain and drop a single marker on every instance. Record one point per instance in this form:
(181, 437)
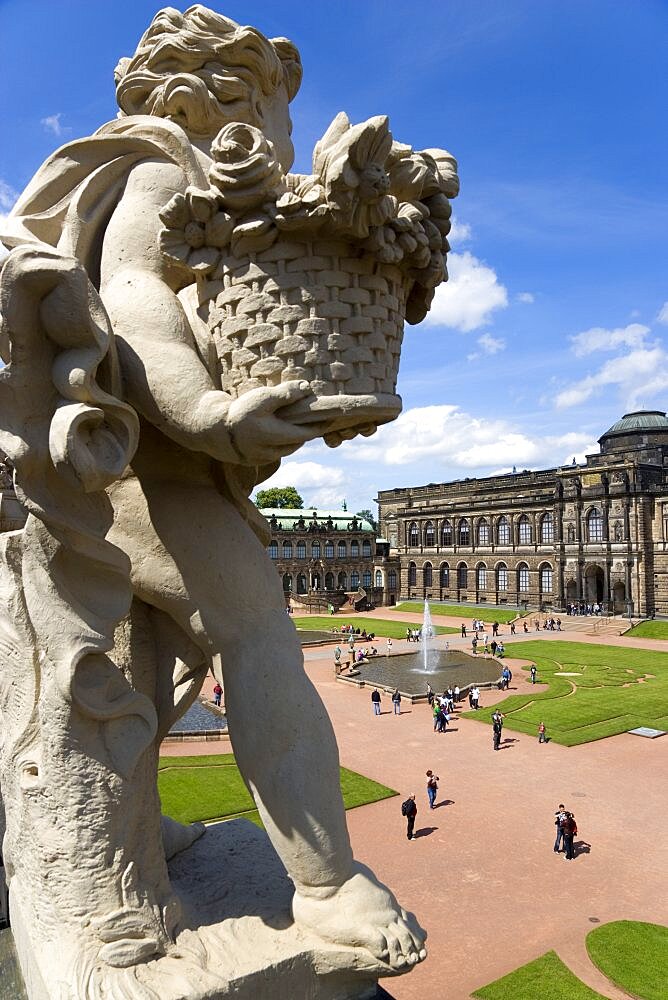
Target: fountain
(427, 636)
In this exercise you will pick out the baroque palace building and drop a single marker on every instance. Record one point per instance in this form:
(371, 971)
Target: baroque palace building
(590, 534)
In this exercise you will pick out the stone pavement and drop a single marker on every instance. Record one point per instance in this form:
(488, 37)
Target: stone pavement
(482, 875)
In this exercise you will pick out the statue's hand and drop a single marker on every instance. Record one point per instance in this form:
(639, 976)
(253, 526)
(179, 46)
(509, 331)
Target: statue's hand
(259, 433)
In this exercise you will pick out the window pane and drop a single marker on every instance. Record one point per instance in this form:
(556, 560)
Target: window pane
(273, 550)
(502, 577)
(315, 550)
(525, 531)
(379, 578)
(366, 578)
(429, 533)
(445, 575)
(392, 579)
(547, 529)
(341, 550)
(354, 580)
(413, 536)
(427, 575)
(301, 550)
(287, 550)
(504, 531)
(366, 547)
(482, 578)
(523, 578)
(446, 533)
(464, 532)
(412, 574)
(329, 550)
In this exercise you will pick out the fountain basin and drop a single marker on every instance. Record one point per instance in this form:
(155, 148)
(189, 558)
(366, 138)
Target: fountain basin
(446, 668)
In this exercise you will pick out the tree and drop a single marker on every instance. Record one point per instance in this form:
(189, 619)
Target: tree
(369, 517)
(283, 497)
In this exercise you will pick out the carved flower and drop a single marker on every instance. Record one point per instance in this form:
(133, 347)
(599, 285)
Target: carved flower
(195, 230)
(245, 169)
(350, 163)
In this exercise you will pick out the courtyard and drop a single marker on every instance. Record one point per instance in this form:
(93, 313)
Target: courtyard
(481, 874)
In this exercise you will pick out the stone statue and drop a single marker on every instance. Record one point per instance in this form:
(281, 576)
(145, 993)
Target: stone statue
(179, 312)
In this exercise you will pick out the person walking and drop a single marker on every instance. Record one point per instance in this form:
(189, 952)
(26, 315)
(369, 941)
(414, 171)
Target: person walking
(570, 830)
(541, 733)
(463, 630)
(430, 694)
(396, 701)
(409, 810)
(497, 729)
(512, 628)
(475, 695)
(456, 693)
(559, 818)
(217, 694)
(375, 701)
(389, 647)
(533, 673)
(432, 787)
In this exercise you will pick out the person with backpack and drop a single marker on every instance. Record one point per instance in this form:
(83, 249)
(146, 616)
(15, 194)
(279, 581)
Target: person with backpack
(569, 830)
(409, 810)
(432, 787)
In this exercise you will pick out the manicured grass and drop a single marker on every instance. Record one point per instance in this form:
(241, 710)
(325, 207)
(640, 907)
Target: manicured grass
(467, 612)
(633, 955)
(393, 630)
(546, 978)
(616, 690)
(649, 630)
(211, 788)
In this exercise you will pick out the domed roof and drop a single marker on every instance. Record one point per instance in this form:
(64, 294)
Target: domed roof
(637, 422)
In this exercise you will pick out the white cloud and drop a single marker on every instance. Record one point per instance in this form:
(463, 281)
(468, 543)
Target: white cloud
(320, 485)
(525, 297)
(448, 438)
(52, 124)
(460, 232)
(491, 345)
(640, 377)
(663, 314)
(600, 339)
(467, 301)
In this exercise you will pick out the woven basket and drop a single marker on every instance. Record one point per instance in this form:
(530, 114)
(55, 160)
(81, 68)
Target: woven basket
(313, 311)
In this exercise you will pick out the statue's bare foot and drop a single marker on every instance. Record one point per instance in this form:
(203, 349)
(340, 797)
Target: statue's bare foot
(362, 913)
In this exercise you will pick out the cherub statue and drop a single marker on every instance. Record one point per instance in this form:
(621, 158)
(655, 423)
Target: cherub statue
(139, 419)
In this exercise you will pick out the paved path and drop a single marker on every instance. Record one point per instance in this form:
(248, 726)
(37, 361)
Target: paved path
(481, 875)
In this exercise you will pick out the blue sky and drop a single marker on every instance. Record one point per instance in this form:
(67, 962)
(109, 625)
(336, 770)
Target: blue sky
(555, 320)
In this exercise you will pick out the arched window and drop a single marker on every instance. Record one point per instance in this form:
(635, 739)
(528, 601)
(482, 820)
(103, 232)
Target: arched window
(354, 580)
(301, 550)
(523, 578)
(315, 550)
(547, 529)
(379, 578)
(287, 550)
(413, 534)
(329, 550)
(329, 581)
(446, 533)
(546, 579)
(392, 579)
(502, 577)
(341, 550)
(272, 549)
(287, 582)
(429, 536)
(503, 531)
(366, 549)
(464, 532)
(412, 574)
(342, 581)
(483, 532)
(445, 575)
(462, 576)
(366, 579)
(524, 531)
(354, 549)
(481, 577)
(594, 525)
(301, 583)
(427, 575)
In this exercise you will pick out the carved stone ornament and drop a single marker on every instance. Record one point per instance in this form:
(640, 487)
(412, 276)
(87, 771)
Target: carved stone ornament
(179, 312)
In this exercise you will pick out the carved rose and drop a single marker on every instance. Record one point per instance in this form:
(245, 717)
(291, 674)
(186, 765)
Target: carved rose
(245, 169)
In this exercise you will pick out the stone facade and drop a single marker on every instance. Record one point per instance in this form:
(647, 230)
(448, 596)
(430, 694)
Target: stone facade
(323, 557)
(591, 533)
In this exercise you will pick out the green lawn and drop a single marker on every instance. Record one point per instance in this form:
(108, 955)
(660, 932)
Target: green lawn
(633, 955)
(393, 630)
(649, 630)
(614, 690)
(464, 611)
(211, 788)
(546, 978)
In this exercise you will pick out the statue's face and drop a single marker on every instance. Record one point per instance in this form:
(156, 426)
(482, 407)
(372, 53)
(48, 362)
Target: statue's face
(277, 126)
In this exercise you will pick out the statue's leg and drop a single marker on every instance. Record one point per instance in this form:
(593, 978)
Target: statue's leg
(196, 559)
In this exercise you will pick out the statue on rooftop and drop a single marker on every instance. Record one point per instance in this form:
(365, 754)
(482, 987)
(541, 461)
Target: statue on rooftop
(179, 312)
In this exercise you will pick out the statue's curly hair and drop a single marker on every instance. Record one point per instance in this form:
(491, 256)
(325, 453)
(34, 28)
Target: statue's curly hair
(199, 67)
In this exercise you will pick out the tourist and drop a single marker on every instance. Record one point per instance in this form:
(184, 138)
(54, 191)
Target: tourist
(560, 816)
(396, 701)
(474, 645)
(533, 673)
(435, 711)
(430, 694)
(497, 727)
(526, 627)
(493, 646)
(558, 624)
(541, 733)
(456, 692)
(569, 831)
(495, 628)
(217, 694)
(500, 650)
(432, 787)
(537, 624)
(375, 701)
(471, 697)
(475, 694)
(389, 647)
(409, 810)
(373, 651)
(463, 630)
(512, 628)
(450, 695)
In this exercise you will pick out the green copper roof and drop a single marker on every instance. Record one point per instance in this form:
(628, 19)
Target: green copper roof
(341, 519)
(638, 421)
